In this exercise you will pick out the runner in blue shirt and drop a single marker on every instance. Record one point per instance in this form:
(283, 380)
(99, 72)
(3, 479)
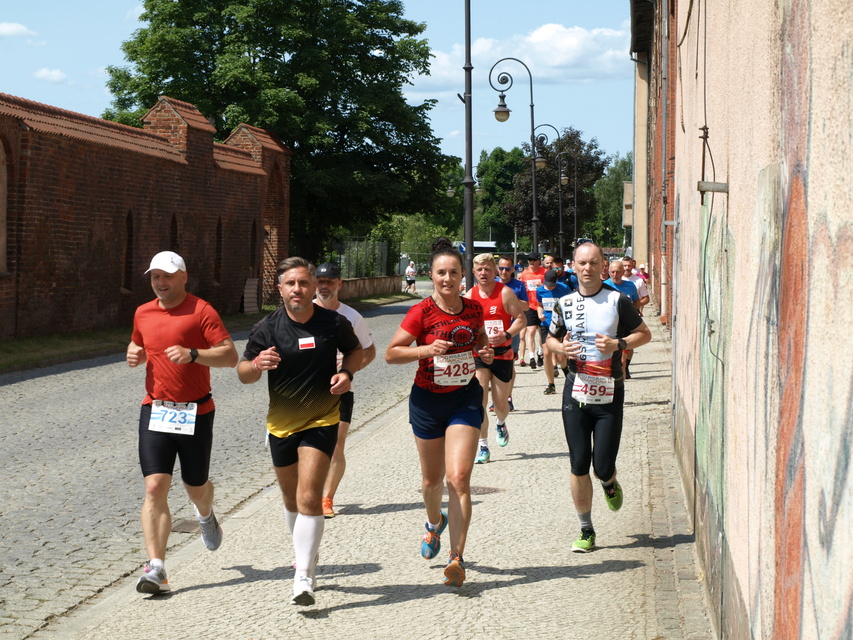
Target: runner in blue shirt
(547, 295)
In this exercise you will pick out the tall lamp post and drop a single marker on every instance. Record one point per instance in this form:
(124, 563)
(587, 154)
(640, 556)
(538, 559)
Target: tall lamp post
(563, 181)
(542, 141)
(502, 115)
(468, 180)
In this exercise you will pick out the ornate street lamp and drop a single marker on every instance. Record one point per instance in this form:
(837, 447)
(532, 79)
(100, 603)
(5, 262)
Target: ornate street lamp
(502, 115)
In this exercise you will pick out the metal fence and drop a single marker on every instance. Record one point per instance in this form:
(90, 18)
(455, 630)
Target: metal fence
(361, 258)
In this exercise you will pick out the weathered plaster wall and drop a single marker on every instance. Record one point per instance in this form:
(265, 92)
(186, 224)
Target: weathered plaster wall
(763, 418)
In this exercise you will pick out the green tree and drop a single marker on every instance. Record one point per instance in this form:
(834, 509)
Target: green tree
(495, 175)
(606, 226)
(583, 163)
(412, 235)
(326, 76)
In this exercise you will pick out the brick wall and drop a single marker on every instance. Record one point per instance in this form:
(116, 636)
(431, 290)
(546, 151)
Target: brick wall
(89, 203)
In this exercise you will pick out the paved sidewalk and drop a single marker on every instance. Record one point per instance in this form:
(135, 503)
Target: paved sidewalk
(523, 581)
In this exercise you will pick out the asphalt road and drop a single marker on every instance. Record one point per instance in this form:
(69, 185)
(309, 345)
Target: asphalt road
(70, 485)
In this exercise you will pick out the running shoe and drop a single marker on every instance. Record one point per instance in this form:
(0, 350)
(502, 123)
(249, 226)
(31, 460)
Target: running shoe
(312, 571)
(328, 510)
(303, 591)
(431, 544)
(211, 532)
(585, 543)
(550, 390)
(483, 456)
(532, 362)
(540, 360)
(627, 373)
(454, 572)
(153, 581)
(511, 405)
(613, 496)
(556, 371)
(491, 408)
(503, 434)
(522, 363)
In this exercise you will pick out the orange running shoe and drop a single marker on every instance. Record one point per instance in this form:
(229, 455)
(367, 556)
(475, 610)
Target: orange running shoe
(454, 572)
(328, 511)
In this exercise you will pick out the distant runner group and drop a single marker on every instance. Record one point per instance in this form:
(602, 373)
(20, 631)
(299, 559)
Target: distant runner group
(466, 348)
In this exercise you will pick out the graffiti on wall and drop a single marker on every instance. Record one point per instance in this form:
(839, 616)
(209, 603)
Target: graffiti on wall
(813, 583)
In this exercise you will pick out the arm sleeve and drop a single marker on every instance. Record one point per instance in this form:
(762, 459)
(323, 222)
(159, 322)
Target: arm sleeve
(347, 340)
(212, 327)
(413, 321)
(258, 339)
(363, 333)
(629, 317)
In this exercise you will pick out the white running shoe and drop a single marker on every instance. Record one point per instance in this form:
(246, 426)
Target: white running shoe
(303, 591)
(153, 581)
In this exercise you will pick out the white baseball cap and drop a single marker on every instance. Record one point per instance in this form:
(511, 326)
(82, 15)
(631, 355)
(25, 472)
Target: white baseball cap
(167, 261)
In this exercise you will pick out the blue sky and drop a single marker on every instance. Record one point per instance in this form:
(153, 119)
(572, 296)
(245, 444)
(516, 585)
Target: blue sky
(577, 53)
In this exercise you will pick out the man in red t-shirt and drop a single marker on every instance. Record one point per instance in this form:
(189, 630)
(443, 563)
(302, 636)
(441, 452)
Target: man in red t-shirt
(178, 336)
(533, 277)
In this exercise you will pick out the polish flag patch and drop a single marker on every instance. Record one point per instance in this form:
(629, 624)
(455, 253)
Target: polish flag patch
(306, 343)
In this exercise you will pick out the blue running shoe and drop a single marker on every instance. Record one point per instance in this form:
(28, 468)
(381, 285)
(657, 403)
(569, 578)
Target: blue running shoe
(511, 405)
(503, 434)
(483, 456)
(431, 544)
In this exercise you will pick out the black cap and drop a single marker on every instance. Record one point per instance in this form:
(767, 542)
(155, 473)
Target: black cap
(550, 277)
(328, 270)
(533, 256)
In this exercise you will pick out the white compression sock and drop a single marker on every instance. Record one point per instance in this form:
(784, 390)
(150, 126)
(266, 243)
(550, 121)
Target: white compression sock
(290, 519)
(307, 533)
(484, 442)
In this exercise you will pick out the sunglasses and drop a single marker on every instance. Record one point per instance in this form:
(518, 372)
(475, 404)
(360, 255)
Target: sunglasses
(504, 268)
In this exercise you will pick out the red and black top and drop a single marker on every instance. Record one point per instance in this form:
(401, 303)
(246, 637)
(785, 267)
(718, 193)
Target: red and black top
(428, 323)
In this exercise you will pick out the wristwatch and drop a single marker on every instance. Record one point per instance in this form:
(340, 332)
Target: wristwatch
(193, 354)
(621, 344)
(508, 336)
(348, 372)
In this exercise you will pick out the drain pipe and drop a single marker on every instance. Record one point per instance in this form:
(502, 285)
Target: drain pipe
(664, 282)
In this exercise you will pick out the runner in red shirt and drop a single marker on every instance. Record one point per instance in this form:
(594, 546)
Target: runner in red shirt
(178, 337)
(445, 406)
(533, 277)
(503, 318)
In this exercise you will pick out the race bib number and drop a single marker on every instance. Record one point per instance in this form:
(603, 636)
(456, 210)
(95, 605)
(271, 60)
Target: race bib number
(494, 328)
(589, 389)
(454, 370)
(173, 417)
(533, 285)
(548, 303)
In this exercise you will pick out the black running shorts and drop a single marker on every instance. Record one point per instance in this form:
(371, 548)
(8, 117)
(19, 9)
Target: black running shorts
(157, 450)
(285, 451)
(593, 432)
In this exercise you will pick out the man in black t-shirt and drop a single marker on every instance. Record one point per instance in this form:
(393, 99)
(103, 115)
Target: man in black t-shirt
(297, 345)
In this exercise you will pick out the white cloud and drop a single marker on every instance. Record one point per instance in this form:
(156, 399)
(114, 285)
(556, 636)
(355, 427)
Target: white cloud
(555, 54)
(15, 29)
(50, 75)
